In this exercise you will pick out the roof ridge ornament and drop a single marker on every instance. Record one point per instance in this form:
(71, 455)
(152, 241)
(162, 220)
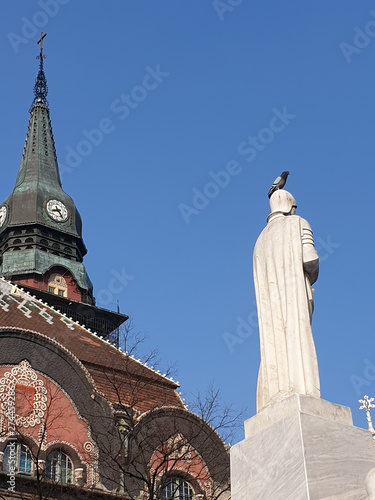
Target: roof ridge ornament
(40, 87)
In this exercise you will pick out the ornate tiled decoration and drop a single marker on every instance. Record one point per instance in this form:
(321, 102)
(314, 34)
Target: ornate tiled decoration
(23, 396)
(11, 294)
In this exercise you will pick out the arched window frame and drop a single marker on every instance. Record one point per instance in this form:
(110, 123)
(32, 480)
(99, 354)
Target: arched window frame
(59, 467)
(177, 488)
(19, 456)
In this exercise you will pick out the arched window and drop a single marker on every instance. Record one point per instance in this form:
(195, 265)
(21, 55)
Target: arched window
(18, 458)
(177, 489)
(59, 468)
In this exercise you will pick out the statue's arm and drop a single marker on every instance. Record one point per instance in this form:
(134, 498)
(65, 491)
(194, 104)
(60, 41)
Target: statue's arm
(309, 254)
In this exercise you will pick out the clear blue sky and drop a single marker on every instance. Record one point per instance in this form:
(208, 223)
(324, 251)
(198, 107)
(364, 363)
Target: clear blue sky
(203, 77)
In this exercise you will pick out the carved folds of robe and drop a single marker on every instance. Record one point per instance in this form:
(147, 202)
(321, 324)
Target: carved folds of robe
(285, 266)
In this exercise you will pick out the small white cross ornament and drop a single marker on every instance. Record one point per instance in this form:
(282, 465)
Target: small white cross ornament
(366, 404)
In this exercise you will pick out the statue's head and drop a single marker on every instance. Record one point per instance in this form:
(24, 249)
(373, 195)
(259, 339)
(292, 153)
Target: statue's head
(282, 202)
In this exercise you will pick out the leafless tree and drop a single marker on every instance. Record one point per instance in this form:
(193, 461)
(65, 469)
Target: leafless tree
(146, 437)
(148, 447)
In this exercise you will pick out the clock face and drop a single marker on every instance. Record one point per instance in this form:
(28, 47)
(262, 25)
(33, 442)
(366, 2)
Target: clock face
(57, 210)
(3, 215)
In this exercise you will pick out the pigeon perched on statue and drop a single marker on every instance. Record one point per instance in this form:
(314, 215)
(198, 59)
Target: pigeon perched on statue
(279, 183)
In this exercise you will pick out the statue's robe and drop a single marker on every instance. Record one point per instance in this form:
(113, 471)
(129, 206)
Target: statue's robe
(285, 266)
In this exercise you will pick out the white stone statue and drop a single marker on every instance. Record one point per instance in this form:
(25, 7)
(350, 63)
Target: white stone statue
(285, 266)
(370, 484)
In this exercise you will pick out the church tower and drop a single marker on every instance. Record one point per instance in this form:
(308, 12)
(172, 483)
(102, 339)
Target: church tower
(80, 418)
(41, 244)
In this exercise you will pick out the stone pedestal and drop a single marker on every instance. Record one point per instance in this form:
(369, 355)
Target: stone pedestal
(302, 448)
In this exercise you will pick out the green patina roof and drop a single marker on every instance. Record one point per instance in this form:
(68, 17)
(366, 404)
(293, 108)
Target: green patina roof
(37, 261)
(38, 179)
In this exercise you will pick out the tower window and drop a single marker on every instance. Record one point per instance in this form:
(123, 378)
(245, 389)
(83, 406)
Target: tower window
(57, 285)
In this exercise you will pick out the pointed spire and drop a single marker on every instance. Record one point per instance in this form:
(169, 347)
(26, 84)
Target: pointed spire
(40, 87)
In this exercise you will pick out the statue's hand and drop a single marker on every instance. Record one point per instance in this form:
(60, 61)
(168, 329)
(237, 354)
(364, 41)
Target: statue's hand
(311, 268)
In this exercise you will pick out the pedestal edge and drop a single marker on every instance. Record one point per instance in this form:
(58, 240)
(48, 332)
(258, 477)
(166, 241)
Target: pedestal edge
(297, 403)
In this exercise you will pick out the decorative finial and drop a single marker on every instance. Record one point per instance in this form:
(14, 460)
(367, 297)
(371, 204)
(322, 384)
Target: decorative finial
(40, 87)
(366, 403)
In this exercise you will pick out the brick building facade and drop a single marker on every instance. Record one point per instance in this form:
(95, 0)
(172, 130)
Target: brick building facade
(79, 417)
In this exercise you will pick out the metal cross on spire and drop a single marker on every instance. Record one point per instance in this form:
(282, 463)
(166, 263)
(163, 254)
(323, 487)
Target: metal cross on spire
(40, 87)
(366, 404)
(40, 41)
